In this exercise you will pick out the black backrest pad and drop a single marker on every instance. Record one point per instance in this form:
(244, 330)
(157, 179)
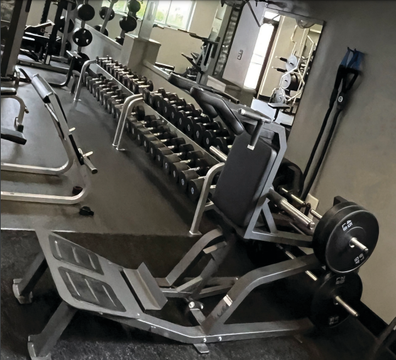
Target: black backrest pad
(243, 178)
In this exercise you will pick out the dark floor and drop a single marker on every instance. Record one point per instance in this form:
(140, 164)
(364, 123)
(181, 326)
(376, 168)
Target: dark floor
(89, 337)
(130, 197)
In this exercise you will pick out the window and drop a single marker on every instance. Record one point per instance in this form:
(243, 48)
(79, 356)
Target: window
(175, 13)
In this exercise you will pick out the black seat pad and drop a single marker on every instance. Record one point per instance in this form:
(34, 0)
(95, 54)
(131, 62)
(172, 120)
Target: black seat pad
(13, 135)
(8, 91)
(242, 179)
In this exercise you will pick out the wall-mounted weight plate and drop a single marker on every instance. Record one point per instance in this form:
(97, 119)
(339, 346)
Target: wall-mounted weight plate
(128, 23)
(103, 11)
(85, 12)
(332, 240)
(98, 27)
(291, 63)
(62, 21)
(82, 37)
(134, 6)
(325, 312)
(278, 96)
(289, 81)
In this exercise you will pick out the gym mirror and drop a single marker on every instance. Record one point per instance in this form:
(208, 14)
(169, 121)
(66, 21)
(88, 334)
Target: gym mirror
(271, 62)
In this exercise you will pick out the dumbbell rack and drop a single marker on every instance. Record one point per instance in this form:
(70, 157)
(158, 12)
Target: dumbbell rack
(209, 158)
(150, 111)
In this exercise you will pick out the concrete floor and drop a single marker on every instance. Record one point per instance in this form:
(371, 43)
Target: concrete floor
(128, 194)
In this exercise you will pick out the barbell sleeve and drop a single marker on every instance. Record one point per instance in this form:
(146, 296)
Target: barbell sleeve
(355, 242)
(284, 205)
(337, 299)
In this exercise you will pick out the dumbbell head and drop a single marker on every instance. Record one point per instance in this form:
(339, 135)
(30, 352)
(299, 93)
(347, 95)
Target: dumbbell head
(182, 115)
(138, 128)
(190, 174)
(161, 132)
(156, 144)
(190, 122)
(166, 104)
(136, 87)
(162, 152)
(157, 100)
(177, 168)
(147, 94)
(224, 144)
(174, 110)
(170, 159)
(210, 135)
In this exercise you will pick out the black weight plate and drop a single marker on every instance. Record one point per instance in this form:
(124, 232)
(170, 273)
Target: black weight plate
(319, 241)
(82, 37)
(80, 62)
(103, 11)
(98, 27)
(354, 222)
(85, 12)
(128, 23)
(134, 6)
(324, 311)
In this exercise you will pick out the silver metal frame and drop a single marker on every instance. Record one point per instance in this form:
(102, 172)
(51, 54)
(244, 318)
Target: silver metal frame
(58, 254)
(54, 108)
(252, 231)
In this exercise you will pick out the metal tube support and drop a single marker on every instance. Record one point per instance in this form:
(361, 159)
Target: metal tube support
(218, 154)
(201, 206)
(107, 17)
(66, 29)
(126, 109)
(283, 204)
(81, 79)
(337, 299)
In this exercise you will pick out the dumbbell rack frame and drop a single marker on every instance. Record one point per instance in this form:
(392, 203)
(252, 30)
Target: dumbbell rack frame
(129, 103)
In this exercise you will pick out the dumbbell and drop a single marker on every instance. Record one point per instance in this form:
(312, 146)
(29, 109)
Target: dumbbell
(194, 187)
(199, 129)
(190, 121)
(149, 121)
(182, 115)
(113, 95)
(170, 149)
(156, 100)
(95, 81)
(210, 135)
(177, 168)
(187, 158)
(119, 73)
(224, 144)
(108, 66)
(186, 176)
(118, 100)
(147, 94)
(166, 146)
(107, 91)
(142, 84)
(128, 78)
(160, 133)
(166, 103)
(102, 87)
(173, 110)
(100, 60)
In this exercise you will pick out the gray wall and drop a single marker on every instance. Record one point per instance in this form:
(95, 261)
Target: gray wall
(360, 164)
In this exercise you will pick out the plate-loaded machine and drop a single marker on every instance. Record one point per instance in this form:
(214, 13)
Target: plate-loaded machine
(86, 281)
(74, 154)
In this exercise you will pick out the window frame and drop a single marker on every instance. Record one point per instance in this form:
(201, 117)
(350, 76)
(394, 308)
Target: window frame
(190, 16)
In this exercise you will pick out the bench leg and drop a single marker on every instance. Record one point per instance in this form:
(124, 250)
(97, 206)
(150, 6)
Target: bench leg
(22, 288)
(39, 346)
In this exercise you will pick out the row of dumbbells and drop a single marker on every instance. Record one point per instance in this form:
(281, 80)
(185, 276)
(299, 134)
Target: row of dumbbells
(191, 121)
(185, 165)
(199, 127)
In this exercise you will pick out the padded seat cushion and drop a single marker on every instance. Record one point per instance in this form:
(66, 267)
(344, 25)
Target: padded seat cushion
(243, 178)
(8, 91)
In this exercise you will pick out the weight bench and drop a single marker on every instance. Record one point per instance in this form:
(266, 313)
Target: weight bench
(11, 93)
(74, 153)
(88, 282)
